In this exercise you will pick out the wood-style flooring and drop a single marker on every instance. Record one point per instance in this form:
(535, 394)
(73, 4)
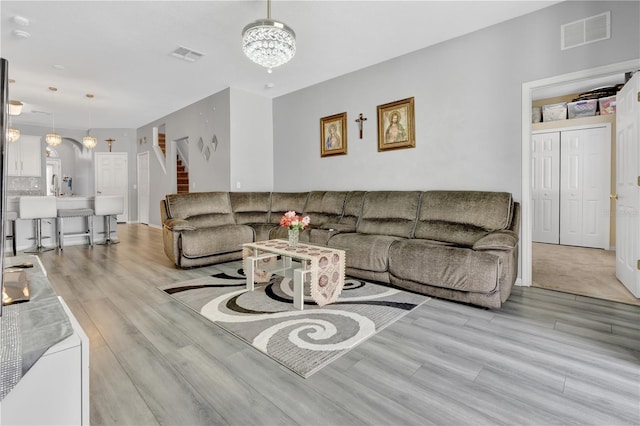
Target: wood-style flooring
(545, 358)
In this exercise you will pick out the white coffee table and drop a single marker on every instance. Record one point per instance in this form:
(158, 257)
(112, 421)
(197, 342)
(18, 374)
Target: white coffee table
(322, 267)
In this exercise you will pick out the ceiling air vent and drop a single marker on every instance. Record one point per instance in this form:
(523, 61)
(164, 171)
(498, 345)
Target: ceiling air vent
(585, 31)
(187, 54)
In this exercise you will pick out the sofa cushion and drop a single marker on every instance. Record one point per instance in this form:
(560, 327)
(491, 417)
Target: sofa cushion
(201, 209)
(282, 202)
(250, 207)
(444, 266)
(217, 240)
(391, 213)
(368, 252)
(352, 208)
(325, 206)
(462, 217)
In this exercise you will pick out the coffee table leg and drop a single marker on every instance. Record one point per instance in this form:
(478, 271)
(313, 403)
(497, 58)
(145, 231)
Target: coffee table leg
(298, 289)
(251, 265)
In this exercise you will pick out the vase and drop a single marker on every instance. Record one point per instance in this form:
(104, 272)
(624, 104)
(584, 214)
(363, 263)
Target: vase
(293, 237)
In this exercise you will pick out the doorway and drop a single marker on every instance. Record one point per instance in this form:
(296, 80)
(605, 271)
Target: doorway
(143, 188)
(112, 178)
(53, 176)
(527, 96)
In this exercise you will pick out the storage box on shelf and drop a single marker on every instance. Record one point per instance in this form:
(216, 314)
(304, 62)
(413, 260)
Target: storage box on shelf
(607, 105)
(554, 112)
(586, 108)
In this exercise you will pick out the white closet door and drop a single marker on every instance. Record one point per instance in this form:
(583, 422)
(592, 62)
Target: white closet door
(585, 183)
(545, 202)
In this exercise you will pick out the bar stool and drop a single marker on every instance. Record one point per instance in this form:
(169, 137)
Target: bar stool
(69, 213)
(109, 206)
(11, 218)
(37, 208)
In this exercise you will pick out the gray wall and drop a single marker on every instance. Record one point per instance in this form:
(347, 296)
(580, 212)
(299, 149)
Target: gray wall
(467, 106)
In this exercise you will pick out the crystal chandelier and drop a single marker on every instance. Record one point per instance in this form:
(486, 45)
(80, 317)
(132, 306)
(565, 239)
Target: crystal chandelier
(53, 139)
(89, 141)
(267, 42)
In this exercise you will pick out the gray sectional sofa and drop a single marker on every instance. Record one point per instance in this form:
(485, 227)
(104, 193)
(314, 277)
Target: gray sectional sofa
(457, 245)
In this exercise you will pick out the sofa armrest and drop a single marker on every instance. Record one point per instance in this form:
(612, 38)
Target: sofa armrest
(498, 240)
(179, 225)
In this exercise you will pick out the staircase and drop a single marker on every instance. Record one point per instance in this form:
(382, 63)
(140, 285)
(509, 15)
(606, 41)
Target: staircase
(162, 143)
(182, 177)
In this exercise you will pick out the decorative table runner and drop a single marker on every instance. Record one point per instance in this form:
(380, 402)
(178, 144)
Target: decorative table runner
(28, 330)
(326, 266)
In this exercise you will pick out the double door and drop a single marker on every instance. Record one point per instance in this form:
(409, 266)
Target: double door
(24, 157)
(571, 183)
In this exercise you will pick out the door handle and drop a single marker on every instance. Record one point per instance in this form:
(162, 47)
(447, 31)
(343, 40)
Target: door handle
(613, 196)
(99, 192)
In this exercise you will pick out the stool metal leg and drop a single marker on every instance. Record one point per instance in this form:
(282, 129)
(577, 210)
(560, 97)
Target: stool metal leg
(39, 248)
(90, 225)
(60, 223)
(108, 240)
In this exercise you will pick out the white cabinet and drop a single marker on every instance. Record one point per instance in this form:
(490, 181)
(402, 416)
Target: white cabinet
(570, 186)
(55, 390)
(24, 157)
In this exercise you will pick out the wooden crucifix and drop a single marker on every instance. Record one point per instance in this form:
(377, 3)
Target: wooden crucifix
(360, 120)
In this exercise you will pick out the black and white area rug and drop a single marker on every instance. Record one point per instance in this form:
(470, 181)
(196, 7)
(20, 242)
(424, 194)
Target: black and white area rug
(303, 341)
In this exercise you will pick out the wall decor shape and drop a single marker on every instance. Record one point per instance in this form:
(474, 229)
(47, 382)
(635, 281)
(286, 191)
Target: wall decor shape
(333, 135)
(200, 144)
(214, 142)
(207, 153)
(396, 127)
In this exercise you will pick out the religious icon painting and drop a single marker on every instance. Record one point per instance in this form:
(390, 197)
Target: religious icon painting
(396, 127)
(333, 135)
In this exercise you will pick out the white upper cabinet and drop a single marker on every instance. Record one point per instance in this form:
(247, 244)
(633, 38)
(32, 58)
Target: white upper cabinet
(24, 157)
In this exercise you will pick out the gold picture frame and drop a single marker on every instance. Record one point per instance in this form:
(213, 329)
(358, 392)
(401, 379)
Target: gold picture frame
(333, 135)
(396, 128)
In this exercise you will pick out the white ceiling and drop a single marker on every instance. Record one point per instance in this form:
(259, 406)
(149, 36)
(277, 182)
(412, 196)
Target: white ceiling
(120, 50)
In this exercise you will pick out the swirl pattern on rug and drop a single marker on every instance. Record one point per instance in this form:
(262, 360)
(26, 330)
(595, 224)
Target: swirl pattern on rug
(303, 341)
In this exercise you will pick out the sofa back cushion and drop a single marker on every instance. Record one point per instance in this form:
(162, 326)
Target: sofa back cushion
(250, 207)
(462, 217)
(201, 209)
(282, 202)
(325, 207)
(389, 213)
(352, 208)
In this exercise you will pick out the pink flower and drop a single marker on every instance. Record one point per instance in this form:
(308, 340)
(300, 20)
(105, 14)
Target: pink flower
(293, 221)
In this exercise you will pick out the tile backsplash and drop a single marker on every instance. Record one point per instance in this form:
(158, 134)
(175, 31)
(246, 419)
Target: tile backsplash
(17, 185)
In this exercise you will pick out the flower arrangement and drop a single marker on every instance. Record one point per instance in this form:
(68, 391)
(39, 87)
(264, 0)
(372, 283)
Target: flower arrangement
(293, 221)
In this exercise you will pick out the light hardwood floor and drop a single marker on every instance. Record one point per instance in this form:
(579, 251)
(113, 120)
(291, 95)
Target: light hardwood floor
(544, 358)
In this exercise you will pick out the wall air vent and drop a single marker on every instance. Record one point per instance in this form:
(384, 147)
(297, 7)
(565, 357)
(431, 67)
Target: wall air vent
(187, 54)
(585, 31)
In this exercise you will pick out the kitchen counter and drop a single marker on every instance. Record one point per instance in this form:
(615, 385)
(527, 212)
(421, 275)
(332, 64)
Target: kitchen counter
(25, 229)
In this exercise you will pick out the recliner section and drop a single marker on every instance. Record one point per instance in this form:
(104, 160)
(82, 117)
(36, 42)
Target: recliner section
(458, 245)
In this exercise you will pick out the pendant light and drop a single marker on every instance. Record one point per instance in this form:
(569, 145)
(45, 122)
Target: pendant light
(15, 108)
(89, 141)
(267, 42)
(53, 139)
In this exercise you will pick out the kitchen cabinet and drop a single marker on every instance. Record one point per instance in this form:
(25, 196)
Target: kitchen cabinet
(24, 157)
